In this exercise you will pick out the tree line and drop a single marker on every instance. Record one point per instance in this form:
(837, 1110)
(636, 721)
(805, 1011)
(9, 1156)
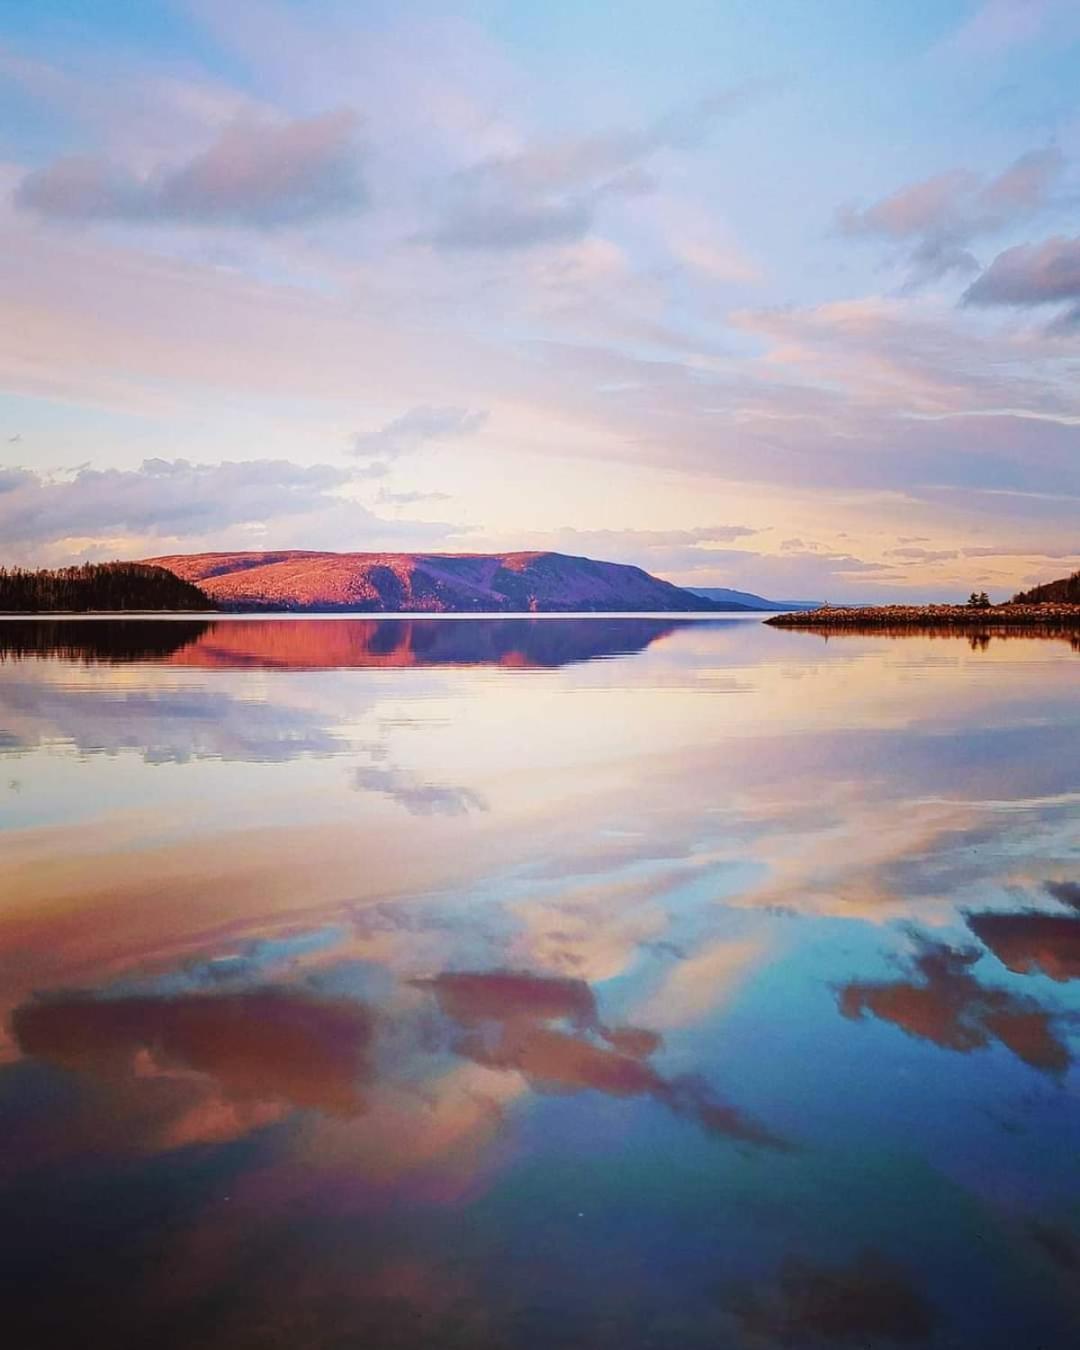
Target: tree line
(97, 586)
(1063, 592)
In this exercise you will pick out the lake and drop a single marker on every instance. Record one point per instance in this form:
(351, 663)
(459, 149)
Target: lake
(612, 982)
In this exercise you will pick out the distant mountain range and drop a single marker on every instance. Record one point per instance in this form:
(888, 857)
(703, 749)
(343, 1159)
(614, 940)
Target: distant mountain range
(746, 600)
(436, 583)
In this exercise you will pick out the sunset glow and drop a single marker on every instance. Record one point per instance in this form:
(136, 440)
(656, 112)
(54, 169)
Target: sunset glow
(773, 296)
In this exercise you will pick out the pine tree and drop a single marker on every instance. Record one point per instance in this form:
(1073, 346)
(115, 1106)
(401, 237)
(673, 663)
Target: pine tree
(97, 587)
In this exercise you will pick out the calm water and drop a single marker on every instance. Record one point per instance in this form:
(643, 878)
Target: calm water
(537, 983)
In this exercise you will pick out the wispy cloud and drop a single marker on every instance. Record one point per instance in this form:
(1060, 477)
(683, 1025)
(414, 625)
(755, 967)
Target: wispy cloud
(416, 796)
(416, 428)
(388, 498)
(549, 193)
(379, 450)
(999, 26)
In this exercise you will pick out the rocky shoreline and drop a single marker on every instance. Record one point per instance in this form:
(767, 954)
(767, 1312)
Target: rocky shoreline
(960, 617)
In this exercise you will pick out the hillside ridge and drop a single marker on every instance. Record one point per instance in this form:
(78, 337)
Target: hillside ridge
(523, 581)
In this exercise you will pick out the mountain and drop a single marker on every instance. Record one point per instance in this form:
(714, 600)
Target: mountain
(1063, 592)
(746, 600)
(436, 583)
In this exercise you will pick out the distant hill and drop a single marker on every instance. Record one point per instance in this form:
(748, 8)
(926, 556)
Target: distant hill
(98, 586)
(1063, 592)
(747, 600)
(436, 583)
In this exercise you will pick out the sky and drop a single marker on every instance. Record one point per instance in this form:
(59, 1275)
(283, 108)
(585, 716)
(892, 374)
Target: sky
(751, 293)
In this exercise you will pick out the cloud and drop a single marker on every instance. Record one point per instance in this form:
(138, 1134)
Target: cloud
(258, 1046)
(651, 539)
(480, 223)
(257, 173)
(930, 403)
(416, 796)
(549, 194)
(473, 998)
(1018, 551)
(927, 555)
(414, 429)
(1031, 275)
(828, 398)
(1029, 942)
(696, 987)
(950, 1008)
(1000, 26)
(507, 1018)
(938, 217)
(801, 574)
(203, 723)
(657, 551)
(162, 498)
(1068, 892)
(388, 498)
(13, 479)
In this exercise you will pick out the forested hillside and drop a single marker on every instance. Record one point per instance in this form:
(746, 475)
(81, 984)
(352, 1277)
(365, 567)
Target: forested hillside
(97, 586)
(1063, 592)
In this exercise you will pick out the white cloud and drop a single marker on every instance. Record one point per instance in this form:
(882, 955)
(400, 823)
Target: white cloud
(251, 503)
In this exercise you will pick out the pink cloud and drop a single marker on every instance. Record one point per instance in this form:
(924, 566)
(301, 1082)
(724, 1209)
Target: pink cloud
(939, 216)
(255, 173)
(1030, 275)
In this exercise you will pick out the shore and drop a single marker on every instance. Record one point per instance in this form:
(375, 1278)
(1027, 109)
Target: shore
(958, 617)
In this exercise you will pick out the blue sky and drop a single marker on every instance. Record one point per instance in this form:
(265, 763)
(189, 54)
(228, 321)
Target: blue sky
(775, 295)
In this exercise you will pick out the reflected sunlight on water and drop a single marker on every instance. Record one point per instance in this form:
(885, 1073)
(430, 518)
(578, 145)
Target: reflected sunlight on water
(603, 982)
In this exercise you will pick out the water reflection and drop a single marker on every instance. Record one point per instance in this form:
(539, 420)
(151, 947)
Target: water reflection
(978, 639)
(511, 1023)
(335, 644)
(870, 1302)
(112, 641)
(1030, 942)
(517, 983)
(947, 1005)
(258, 1046)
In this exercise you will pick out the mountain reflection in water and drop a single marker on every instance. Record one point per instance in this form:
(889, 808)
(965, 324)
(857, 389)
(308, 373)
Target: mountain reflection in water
(335, 644)
(516, 983)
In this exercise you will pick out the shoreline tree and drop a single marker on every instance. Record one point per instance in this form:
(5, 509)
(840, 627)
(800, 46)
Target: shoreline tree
(92, 587)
